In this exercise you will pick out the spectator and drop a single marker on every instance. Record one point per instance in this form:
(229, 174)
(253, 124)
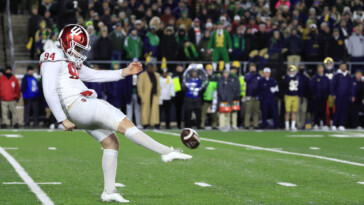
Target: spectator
(67, 14)
(9, 96)
(133, 46)
(151, 44)
(51, 42)
(169, 44)
(208, 98)
(220, 46)
(167, 16)
(356, 100)
(303, 94)
(236, 10)
(33, 24)
(227, 91)
(202, 47)
(115, 90)
(267, 88)
(236, 105)
(106, 18)
(103, 48)
(282, 4)
(337, 49)
(312, 45)
(149, 92)
(93, 40)
(355, 46)
(275, 46)
(41, 36)
(195, 33)
(31, 97)
(185, 20)
(291, 99)
(186, 49)
(294, 48)
(178, 11)
(238, 42)
(252, 101)
(47, 6)
(358, 14)
(165, 100)
(235, 24)
(180, 94)
(131, 98)
(192, 101)
(117, 38)
(320, 88)
(341, 91)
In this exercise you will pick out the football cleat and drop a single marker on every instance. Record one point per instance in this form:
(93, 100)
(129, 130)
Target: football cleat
(341, 128)
(115, 196)
(175, 154)
(315, 127)
(333, 128)
(294, 129)
(325, 128)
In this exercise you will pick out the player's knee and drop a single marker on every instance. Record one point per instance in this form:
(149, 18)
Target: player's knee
(111, 142)
(124, 125)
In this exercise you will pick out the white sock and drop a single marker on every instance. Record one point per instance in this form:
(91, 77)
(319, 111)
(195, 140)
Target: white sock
(287, 124)
(140, 138)
(214, 66)
(293, 124)
(109, 165)
(227, 66)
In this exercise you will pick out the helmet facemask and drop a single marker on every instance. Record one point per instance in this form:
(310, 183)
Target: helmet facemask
(75, 53)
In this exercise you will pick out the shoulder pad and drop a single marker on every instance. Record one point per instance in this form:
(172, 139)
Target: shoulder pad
(52, 54)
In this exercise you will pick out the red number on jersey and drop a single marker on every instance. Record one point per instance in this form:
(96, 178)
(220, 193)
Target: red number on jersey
(73, 71)
(46, 56)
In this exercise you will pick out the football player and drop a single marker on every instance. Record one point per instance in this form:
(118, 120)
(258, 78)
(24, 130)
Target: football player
(73, 104)
(291, 81)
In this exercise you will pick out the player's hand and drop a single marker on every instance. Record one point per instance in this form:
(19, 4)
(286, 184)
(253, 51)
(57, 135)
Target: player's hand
(132, 69)
(68, 125)
(334, 97)
(352, 99)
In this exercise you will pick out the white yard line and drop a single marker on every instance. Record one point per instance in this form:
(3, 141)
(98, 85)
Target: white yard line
(52, 148)
(305, 136)
(41, 195)
(55, 183)
(11, 135)
(11, 148)
(286, 184)
(202, 184)
(271, 150)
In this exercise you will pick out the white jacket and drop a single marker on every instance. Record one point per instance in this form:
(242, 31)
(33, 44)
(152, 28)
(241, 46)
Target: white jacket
(355, 45)
(167, 89)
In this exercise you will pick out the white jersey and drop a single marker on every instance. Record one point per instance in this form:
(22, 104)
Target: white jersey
(62, 82)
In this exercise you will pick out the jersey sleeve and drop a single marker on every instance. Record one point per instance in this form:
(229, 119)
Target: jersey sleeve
(50, 72)
(52, 55)
(90, 75)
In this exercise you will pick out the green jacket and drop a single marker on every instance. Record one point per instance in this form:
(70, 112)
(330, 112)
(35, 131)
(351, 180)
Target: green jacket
(133, 47)
(227, 40)
(242, 86)
(208, 95)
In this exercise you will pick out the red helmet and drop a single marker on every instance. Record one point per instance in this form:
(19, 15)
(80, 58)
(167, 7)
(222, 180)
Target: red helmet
(74, 39)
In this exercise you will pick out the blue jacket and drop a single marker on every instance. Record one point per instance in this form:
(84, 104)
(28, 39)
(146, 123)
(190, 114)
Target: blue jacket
(228, 89)
(357, 89)
(114, 92)
(251, 80)
(291, 85)
(341, 85)
(294, 45)
(313, 44)
(320, 86)
(193, 86)
(303, 85)
(264, 87)
(29, 87)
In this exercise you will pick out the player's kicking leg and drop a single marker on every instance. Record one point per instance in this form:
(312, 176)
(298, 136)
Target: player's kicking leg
(130, 131)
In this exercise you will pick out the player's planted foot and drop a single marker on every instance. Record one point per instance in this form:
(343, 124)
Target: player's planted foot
(175, 154)
(115, 196)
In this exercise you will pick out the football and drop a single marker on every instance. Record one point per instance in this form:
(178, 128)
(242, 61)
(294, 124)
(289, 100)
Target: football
(190, 138)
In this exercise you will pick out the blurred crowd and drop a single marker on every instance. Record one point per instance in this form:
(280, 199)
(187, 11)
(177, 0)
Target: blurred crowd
(333, 97)
(210, 30)
(222, 33)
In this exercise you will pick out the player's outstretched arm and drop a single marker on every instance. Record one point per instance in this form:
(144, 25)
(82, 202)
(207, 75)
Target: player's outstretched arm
(49, 72)
(90, 75)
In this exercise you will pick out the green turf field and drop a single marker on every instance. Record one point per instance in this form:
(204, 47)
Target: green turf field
(325, 167)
